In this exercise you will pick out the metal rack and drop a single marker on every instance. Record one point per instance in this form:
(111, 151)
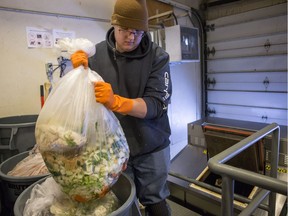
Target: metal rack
(203, 197)
(230, 174)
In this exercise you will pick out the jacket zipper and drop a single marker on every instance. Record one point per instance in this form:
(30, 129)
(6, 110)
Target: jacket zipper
(114, 53)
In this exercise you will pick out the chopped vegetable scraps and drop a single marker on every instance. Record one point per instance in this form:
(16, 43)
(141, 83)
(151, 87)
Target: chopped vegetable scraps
(58, 139)
(85, 172)
(46, 198)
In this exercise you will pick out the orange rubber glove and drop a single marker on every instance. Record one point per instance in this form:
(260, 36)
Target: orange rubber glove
(79, 58)
(105, 95)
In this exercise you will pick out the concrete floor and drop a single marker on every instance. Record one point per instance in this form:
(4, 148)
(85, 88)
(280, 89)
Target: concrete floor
(176, 210)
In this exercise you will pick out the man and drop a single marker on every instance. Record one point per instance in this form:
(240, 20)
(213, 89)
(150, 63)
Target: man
(137, 89)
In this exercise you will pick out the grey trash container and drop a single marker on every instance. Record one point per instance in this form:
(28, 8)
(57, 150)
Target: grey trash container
(13, 186)
(17, 134)
(124, 189)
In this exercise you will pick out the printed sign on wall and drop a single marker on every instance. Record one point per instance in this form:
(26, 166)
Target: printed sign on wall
(58, 34)
(37, 38)
(45, 38)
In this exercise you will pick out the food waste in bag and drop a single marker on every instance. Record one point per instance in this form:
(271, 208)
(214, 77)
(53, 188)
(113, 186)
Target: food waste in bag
(46, 198)
(81, 141)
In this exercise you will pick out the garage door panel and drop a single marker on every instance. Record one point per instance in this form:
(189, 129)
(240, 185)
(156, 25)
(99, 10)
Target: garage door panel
(252, 118)
(273, 87)
(259, 63)
(260, 41)
(251, 111)
(254, 28)
(279, 77)
(246, 76)
(253, 51)
(249, 15)
(248, 113)
(261, 81)
(257, 99)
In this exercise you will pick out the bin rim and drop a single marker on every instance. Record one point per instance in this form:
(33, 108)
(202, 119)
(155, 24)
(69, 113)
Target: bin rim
(17, 125)
(130, 199)
(23, 124)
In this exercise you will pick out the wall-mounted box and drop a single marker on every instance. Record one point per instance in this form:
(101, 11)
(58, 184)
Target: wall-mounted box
(182, 43)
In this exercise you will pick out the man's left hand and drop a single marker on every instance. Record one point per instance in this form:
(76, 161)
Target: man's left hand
(104, 94)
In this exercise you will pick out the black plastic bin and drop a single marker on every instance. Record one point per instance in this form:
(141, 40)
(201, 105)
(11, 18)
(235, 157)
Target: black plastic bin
(17, 134)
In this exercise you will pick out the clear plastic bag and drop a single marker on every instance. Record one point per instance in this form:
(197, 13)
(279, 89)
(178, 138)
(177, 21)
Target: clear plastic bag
(81, 142)
(32, 165)
(48, 199)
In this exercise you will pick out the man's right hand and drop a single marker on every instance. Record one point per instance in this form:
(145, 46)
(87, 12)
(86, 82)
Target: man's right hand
(79, 58)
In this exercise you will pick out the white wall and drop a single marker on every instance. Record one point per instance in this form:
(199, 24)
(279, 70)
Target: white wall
(186, 96)
(22, 68)
(86, 8)
(185, 104)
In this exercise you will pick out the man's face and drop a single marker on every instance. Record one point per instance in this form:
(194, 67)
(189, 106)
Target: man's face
(127, 39)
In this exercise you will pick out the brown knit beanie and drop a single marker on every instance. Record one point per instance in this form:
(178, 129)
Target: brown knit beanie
(131, 14)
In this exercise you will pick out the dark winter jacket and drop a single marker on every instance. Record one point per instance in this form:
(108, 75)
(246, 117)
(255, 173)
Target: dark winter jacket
(142, 73)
